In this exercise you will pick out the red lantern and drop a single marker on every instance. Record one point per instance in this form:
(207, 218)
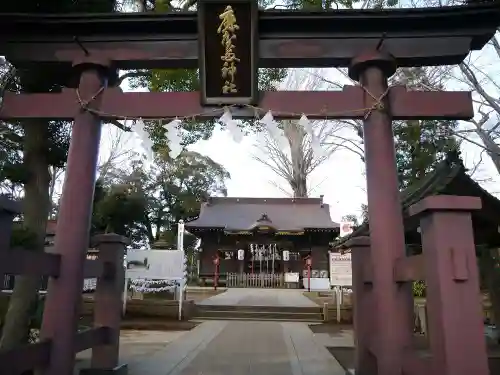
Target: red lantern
(309, 262)
(216, 261)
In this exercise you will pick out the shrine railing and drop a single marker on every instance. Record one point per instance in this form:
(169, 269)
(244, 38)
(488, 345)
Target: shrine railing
(108, 269)
(257, 280)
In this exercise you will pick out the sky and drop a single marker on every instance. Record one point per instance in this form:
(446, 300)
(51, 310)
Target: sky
(341, 179)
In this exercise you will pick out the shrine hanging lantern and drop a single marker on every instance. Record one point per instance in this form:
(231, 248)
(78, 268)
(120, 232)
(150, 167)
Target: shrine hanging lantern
(228, 52)
(241, 254)
(216, 261)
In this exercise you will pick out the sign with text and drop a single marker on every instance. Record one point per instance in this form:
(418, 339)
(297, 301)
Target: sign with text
(228, 51)
(155, 264)
(340, 269)
(292, 277)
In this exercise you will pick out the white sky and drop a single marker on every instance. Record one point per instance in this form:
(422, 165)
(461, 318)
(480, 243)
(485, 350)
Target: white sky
(341, 179)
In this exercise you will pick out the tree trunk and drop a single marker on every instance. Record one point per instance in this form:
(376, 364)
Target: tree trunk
(35, 208)
(493, 149)
(295, 136)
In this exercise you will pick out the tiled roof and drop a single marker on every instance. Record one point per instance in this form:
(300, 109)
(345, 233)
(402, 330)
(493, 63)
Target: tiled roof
(449, 177)
(283, 214)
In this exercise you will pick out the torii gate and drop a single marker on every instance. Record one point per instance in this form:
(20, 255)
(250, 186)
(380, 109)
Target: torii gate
(371, 43)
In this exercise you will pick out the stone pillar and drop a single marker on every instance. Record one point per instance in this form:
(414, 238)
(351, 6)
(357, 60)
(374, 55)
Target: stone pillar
(454, 302)
(108, 303)
(392, 313)
(73, 224)
(365, 363)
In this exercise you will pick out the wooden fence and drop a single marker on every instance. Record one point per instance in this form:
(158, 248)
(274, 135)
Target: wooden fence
(103, 337)
(257, 280)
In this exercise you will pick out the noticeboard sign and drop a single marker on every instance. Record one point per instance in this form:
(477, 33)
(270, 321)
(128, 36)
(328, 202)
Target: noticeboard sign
(340, 269)
(228, 51)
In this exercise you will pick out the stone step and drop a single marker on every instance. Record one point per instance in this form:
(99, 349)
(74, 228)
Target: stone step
(279, 309)
(256, 319)
(259, 315)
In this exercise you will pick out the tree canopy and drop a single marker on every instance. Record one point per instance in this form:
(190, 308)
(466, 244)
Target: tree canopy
(146, 204)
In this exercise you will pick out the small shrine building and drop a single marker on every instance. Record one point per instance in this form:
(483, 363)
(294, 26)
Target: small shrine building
(449, 177)
(263, 238)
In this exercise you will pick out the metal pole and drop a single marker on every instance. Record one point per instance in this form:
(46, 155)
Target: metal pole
(180, 246)
(338, 292)
(181, 298)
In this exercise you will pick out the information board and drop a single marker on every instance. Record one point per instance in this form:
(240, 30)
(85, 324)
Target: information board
(156, 264)
(340, 269)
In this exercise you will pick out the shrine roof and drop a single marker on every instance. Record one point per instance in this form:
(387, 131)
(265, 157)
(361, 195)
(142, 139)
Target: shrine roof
(282, 214)
(448, 178)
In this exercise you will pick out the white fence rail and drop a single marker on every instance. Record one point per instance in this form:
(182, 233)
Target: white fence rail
(257, 280)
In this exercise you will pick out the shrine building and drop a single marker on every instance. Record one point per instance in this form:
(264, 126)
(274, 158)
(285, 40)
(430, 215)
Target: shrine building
(449, 177)
(259, 242)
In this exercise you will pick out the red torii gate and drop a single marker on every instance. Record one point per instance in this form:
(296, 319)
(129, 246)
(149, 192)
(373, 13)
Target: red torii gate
(390, 38)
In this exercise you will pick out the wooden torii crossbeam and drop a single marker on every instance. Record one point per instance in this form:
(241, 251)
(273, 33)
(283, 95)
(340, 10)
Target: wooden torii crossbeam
(346, 104)
(371, 43)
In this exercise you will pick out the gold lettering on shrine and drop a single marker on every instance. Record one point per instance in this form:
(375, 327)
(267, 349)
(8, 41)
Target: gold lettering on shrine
(227, 29)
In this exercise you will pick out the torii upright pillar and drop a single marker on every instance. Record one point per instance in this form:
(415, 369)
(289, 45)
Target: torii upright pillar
(60, 316)
(392, 303)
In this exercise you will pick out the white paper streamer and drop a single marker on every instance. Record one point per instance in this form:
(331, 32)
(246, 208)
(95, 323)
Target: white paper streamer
(226, 117)
(318, 151)
(152, 286)
(275, 132)
(146, 143)
(306, 124)
(173, 135)
(232, 126)
(235, 131)
(316, 146)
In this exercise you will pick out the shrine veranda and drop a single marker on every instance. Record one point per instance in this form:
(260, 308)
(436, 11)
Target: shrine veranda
(88, 51)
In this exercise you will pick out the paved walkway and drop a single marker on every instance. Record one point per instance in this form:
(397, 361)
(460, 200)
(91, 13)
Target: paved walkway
(222, 347)
(260, 297)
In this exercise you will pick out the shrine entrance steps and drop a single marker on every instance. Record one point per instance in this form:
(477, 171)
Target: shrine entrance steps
(259, 304)
(259, 313)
